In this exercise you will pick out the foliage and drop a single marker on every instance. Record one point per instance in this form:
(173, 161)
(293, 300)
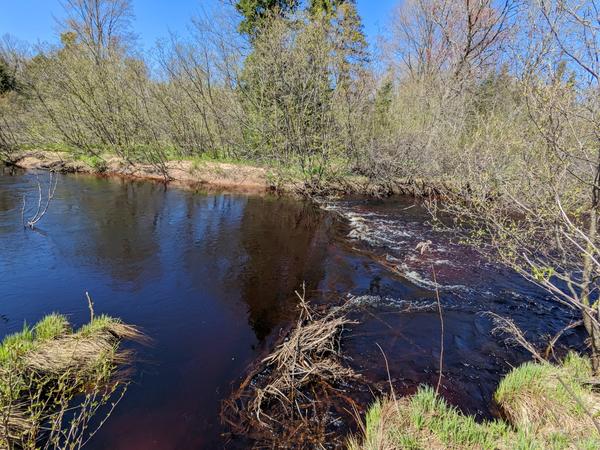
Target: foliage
(256, 12)
(8, 81)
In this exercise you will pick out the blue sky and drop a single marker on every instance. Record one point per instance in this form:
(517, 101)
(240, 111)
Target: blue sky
(33, 20)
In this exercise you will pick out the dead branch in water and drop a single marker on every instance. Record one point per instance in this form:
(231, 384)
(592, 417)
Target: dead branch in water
(506, 326)
(42, 200)
(284, 393)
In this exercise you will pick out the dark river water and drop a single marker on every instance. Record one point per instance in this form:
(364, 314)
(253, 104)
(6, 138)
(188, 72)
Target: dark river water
(211, 279)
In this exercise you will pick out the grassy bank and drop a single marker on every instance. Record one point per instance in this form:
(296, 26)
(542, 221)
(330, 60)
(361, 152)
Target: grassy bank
(54, 380)
(546, 407)
(236, 175)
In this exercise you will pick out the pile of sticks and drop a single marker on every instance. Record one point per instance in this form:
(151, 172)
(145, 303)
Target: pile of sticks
(287, 394)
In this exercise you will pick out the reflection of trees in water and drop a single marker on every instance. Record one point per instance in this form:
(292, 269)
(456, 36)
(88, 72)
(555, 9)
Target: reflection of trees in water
(257, 249)
(225, 248)
(121, 219)
(10, 198)
(284, 243)
(211, 250)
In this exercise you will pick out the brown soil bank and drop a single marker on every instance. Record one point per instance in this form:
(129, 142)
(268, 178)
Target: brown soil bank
(218, 175)
(242, 178)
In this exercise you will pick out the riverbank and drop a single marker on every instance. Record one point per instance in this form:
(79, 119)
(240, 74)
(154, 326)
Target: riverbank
(181, 173)
(237, 177)
(542, 405)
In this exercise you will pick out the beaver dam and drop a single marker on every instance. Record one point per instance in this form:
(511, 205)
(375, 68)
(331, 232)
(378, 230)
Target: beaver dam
(211, 278)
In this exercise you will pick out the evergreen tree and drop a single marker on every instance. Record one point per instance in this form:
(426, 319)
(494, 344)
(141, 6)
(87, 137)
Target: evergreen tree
(383, 104)
(318, 8)
(7, 80)
(350, 42)
(254, 12)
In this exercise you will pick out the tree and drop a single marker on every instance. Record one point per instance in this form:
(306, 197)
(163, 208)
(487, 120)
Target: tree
(287, 93)
(319, 8)
(100, 25)
(350, 42)
(255, 12)
(436, 36)
(8, 81)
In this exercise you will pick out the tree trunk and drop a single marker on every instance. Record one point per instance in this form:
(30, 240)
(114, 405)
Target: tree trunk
(590, 317)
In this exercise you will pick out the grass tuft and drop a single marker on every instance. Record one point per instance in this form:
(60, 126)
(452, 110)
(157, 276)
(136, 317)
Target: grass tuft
(47, 367)
(550, 400)
(541, 413)
(17, 344)
(51, 327)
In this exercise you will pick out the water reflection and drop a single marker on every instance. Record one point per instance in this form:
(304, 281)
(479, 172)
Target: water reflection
(208, 277)
(284, 247)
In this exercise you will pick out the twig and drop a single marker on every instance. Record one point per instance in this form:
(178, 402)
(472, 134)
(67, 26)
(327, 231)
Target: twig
(507, 326)
(439, 303)
(557, 336)
(387, 368)
(90, 306)
(40, 212)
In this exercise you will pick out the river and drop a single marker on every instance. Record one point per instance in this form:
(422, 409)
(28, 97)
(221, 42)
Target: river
(210, 277)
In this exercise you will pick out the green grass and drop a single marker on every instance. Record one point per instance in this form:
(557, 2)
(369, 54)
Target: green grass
(199, 161)
(51, 327)
(542, 415)
(17, 344)
(540, 380)
(96, 162)
(431, 414)
(98, 324)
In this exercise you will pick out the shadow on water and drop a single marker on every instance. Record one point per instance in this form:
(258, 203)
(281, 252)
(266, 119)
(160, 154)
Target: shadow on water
(211, 278)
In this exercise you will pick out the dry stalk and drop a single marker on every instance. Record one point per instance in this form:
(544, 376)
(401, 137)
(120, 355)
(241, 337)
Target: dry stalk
(504, 325)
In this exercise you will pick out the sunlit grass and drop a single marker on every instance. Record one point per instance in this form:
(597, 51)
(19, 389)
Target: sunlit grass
(45, 370)
(542, 415)
(51, 327)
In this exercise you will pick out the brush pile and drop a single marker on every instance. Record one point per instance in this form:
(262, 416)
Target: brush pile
(53, 380)
(288, 395)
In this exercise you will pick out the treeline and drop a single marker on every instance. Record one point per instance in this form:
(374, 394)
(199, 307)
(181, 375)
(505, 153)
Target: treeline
(495, 103)
(451, 89)
(280, 83)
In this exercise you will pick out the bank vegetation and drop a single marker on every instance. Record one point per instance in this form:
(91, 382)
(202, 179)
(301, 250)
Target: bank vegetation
(58, 385)
(545, 407)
